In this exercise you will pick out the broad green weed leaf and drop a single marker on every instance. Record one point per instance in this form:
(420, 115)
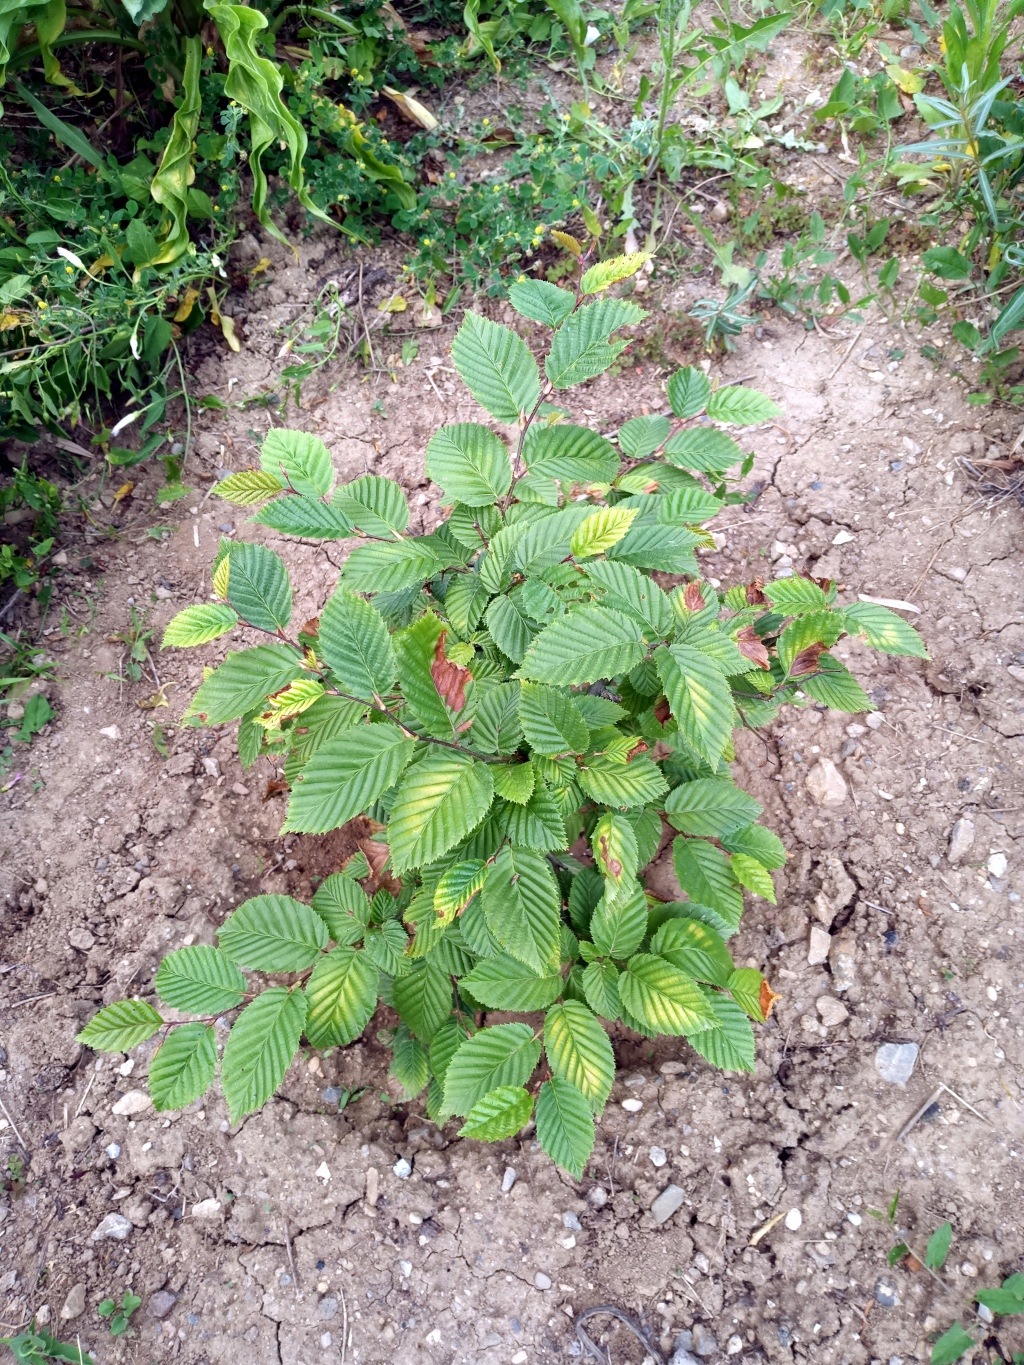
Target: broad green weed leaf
(200, 979)
(742, 407)
(582, 349)
(499, 1114)
(183, 1068)
(243, 681)
(341, 996)
(541, 302)
(356, 646)
(346, 775)
(578, 1051)
(273, 934)
(259, 588)
(121, 1026)
(198, 625)
(663, 997)
(298, 461)
(470, 463)
(441, 799)
(376, 505)
(496, 367)
(260, 1047)
(565, 1125)
(503, 1055)
(593, 642)
(688, 392)
(883, 629)
(606, 273)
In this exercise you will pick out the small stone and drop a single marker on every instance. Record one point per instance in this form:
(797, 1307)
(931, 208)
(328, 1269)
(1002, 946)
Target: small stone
(842, 959)
(134, 1102)
(111, 732)
(597, 1197)
(372, 1186)
(854, 1219)
(985, 1313)
(794, 1220)
(541, 1280)
(327, 1309)
(818, 945)
(831, 1011)
(402, 1168)
(658, 1156)
(161, 1303)
(720, 212)
(74, 1304)
(667, 1203)
(114, 1228)
(406, 1268)
(997, 865)
(520, 1358)
(705, 1343)
(961, 841)
(958, 575)
(734, 1346)
(886, 1295)
(681, 1356)
(969, 1270)
(874, 720)
(571, 1221)
(81, 939)
(895, 1062)
(632, 1106)
(206, 1209)
(842, 538)
(113, 1150)
(827, 785)
(672, 1068)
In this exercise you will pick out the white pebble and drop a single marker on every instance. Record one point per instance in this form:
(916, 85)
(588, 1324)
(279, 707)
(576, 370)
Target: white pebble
(794, 1220)
(734, 1346)
(508, 1179)
(135, 1102)
(541, 1280)
(113, 1151)
(658, 1156)
(997, 865)
(402, 1168)
(632, 1106)
(855, 1219)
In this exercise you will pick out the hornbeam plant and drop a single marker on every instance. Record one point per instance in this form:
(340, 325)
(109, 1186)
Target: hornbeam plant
(519, 709)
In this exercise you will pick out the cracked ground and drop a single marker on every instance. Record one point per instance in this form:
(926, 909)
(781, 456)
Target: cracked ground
(292, 1238)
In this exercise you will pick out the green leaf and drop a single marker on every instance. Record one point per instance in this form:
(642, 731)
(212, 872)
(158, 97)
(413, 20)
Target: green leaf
(616, 854)
(355, 643)
(299, 460)
(342, 996)
(457, 887)
(618, 925)
(343, 906)
(691, 506)
(591, 643)
(688, 392)
(601, 988)
(536, 825)
(796, 594)
(510, 629)
(447, 1041)
(499, 1114)
(522, 908)
(184, 1067)
(415, 652)
(65, 133)
(423, 999)
(664, 998)
(712, 806)
(570, 454)
(606, 273)
(345, 776)
(581, 348)
(121, 1026)
(565, 1126)
(386, 946)
(937, 1250)
(669, 549)
(702, 448)
(503, 1055)
(470, 463)
(579, 1052)
(750, 873)
(730, 1046)
(496, 727)
(695, 948)
(198, 625)
(624, 785)
(200, 979)
(503, 983)
(742, 407)
(552, 722)
(273, 934)
(704, 874)
(948, 264)
(391, 566)
(260, 1048)
(441, 799)
(308, 518)
(375, 504)
(641, 436)
(258, 587)
(757, 842)
(747, 987)
(464, 602)
(883, 629)
(699, 698)
(1007, 1302)
(496, 367)
(835, 686)
(541, 302)
(514, 782)
(249, 487)
(630, 591)
(410, 1063)
(953, 1344)
(601, 530)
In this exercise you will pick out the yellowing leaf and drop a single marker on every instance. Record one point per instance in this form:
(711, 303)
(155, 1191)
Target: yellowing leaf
(261, 266)
(185, 306)
(410, 108)
(123, 492)
(397, 304)
(220, 577)
(291, 701)
(910, 82)
(227, 326)
(570, 243)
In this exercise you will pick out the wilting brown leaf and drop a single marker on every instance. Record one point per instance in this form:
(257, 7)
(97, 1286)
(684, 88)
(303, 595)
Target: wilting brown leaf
(807, 660)
(825, 584)
(410, 108)
(662, 711)
(752, 647)
(693, 598)
(755, 597)
(449, 679)
(311, 627)
(376, 855)
(640, 747)
(767, 999)
(277, 786)
(911, 1263)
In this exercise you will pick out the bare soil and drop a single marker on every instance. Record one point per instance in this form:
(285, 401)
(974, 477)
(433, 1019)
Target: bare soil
(291, 1238)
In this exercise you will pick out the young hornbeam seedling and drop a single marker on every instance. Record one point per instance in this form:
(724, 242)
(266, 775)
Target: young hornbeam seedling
(521, 709)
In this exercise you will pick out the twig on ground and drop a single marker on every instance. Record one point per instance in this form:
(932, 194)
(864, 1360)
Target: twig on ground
(14, 1126)
(629, 1322)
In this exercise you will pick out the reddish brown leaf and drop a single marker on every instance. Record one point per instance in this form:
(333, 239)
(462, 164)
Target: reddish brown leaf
(693, 598)
(767, 999)
(277, 786)
(640, 747)
(312, 626)
(807, 660)
(755, 597)
(662, 711)
(752, 647)
(825, 584)
(449, 679)
(377, 855)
